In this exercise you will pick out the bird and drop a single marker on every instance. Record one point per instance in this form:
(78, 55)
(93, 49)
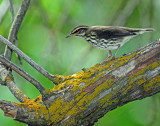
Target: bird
(107, 37)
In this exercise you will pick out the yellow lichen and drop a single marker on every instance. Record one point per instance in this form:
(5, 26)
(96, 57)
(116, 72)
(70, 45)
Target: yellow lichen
(8, 79)
(61, 108)
(151, 83)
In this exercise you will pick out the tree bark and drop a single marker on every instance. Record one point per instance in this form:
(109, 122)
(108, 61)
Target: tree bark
(84, 97)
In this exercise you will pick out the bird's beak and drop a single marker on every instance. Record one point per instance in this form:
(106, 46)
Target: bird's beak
(68, 36)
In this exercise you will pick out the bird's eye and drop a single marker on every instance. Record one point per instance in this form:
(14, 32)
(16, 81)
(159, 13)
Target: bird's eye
(82, 30)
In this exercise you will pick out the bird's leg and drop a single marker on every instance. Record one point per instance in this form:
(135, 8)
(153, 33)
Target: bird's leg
(113, 58)
(109, 55)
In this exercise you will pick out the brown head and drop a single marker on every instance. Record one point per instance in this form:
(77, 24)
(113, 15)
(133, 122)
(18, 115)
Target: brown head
(78, 31)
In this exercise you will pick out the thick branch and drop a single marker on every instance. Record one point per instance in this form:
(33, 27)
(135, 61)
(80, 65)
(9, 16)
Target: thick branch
(87, 95)
(8, 108)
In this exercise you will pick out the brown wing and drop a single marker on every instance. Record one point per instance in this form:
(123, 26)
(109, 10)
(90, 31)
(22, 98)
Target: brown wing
(114, 32)
(109, 32)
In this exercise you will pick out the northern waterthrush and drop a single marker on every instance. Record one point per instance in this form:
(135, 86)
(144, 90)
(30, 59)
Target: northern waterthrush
(107, 37)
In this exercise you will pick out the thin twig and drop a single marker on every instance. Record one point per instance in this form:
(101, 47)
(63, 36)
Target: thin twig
(25, 75)
(15, 27)
(12, 15)
(11, 9)
(28, 59)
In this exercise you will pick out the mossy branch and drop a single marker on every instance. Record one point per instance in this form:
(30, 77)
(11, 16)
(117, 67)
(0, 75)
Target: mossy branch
(86, 96)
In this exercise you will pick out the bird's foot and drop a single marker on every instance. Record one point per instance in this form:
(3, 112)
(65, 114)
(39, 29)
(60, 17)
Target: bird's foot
(107, 58)
(113, 58)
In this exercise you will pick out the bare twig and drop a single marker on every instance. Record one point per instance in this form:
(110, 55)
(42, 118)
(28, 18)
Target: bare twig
(25, 75)
(15, 27)
(12, 14)
(28, 59)
(11, 9)
(8, 78)
(19, 58)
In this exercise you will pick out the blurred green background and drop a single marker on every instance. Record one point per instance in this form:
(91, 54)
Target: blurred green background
(42, 37)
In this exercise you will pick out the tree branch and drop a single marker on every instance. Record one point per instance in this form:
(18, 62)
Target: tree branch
(12, 14)
(7, 79)
(11, 9)
(7, 75)
(86, 96)
(8, 53)
(55, 79)
(25, 75)
(8, 108)
(15, 27)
